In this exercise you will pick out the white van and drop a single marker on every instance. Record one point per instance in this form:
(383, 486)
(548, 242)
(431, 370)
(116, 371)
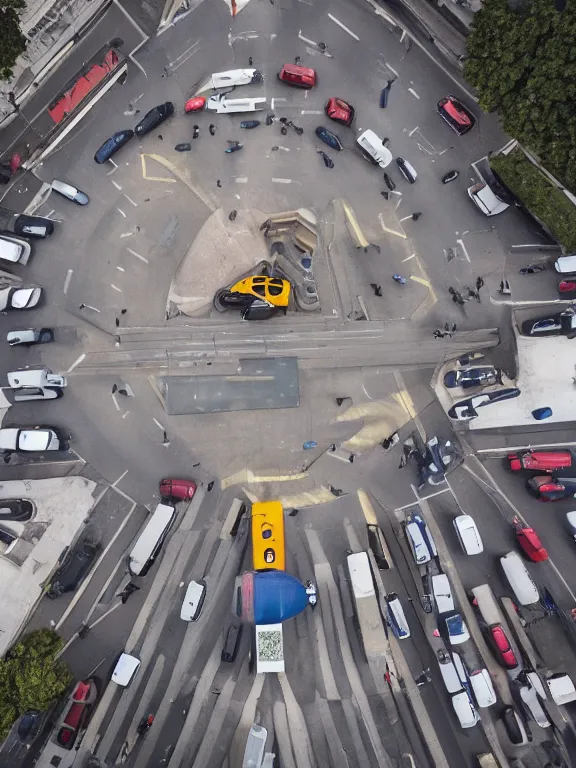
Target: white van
(486, 200)
(373, 149)
(464, 709)
(483, 689)
(234, 77)
(14, 249)
(519, 579)
(468, 534)
(193, 601)
(220, 104)
(419, 539)
(442, 593)
(566, 265)
(452, 671)
(561, 688)
(396, 617)
(533, 705)
(151, 539)
(37, 384)
(125, 669)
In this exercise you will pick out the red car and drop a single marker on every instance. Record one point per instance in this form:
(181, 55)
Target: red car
(502, 646)
(540, 461)
(340, 111)
(458, 117)
(546, 488)
(183, 490)
(567, 289)
(195, 104)
(76, 714)
(303, 77)
(531, 545)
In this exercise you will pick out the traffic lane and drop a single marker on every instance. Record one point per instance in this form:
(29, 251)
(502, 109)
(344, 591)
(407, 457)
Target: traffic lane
(549, 522)
(113, 24)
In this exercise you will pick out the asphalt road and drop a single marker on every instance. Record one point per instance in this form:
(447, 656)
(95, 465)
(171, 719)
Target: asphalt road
(120, 253)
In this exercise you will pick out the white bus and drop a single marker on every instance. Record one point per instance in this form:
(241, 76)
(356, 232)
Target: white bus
(151, 539)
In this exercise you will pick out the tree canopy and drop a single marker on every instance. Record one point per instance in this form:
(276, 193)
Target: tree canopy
(523, 64)
(12, 41)
(31, 677)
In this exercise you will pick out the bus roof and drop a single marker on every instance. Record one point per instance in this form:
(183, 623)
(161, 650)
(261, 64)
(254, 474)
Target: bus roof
(148, 540)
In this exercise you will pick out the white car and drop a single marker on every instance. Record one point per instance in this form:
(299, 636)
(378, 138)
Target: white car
(33, 439)
(486, 199)
(220, 104)
(373, 149)
(235, 77)
(14, 249)
(24, 297)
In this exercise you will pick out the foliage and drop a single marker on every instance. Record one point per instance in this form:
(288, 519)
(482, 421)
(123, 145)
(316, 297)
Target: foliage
(522, 63)
(31, 677)
(543, 199)
(12, 41)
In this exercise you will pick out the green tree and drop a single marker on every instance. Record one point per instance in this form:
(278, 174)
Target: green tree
(31, 677)
(523, 65)
(12, 41)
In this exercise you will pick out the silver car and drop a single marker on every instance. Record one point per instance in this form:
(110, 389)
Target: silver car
(14, 249)
(23, 297)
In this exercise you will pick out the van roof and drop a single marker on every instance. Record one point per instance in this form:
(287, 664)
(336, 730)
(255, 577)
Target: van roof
(488, 201)
(565, 264)
(442, 593)
(468, 530)
(519, 579)
(125, 669)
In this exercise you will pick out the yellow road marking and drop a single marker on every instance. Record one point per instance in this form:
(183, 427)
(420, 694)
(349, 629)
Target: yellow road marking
(420, 280)
(168, 180)
(180, 175)
(356, 233)
(403, 235)
(367, 507)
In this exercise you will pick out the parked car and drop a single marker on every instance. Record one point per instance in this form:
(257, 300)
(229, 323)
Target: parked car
(566, 265)
(541, 461)
(17, 510)
(182, 490)
(514, 726)
(502, 647)
(530, 544)
(112, 145)
(571, 521)
(465, 410)
(220, 104)
(29, 336)
(153, 118)
(234, 77)
(232, 642)
(195, 104)
(339, 111)
(73, 569)
(33, 226)
(14, 249)
(302, 77)
(406, 169)
(457, 629)
(76, 714)
(329, 138)
(486, 200)
(559, 324)
(419, 538)
(456, 115)
(33, 439)
(483, 376)
(30, 725)
(546, 488)
(567, 289)
(70, 192)
(22, 297)
(373, 149)
(8, 540)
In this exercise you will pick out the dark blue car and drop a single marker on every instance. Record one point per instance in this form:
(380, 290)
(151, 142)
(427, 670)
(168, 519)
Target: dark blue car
(112, 145)
(329, 138)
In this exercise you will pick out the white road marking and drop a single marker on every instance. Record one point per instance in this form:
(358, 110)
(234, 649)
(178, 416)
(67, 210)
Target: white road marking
(311, 111)
(67, 280)
(158, 424)
(284, 149)
(120, 269)
(183, 58)
(127, 234)
(121, 211)
(113, 396)
(122, 476)
(413, 92)
(405, 218)
(391, 69)
(305, 39)
(241, 179)
(142, 258)
(342, 26)
(282, 181)
(461, 244)
(76, 362)
(125, 414)
(118, 187)
(113, 169)
(50, 214)
(413, 131)
(130, 200)
(116, 288)
(408, 258)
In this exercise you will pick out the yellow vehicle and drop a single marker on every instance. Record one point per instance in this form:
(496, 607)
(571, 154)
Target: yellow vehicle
(268, 549)
(274, 290)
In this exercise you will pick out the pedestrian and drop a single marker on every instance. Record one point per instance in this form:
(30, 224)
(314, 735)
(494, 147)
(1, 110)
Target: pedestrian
(376, 288)
(340, 400)
(165, 441)
(479, 283)
(438, 334)
(416, 216)
(250, 61)
(232, 215)
(335, 491)
(82, 306)
(123, 392)
(293, 512)
(218, 183)
(212, 129)
(333, 446)
(114, 388)
(351, 458)
(117, 322)
(472, 294)
(385, 141)
(160, 137)
(210, 486)
(385, 194)
(196, 132)
(297, 60)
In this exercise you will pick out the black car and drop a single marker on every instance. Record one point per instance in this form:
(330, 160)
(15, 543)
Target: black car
(19, 510)
(112, 145)
(329, 138)
(73, 569)
(33, 226)
(233, 637)
(154, 118)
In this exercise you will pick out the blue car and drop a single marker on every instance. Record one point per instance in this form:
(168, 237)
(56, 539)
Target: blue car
(329, 138)
(112, 145)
